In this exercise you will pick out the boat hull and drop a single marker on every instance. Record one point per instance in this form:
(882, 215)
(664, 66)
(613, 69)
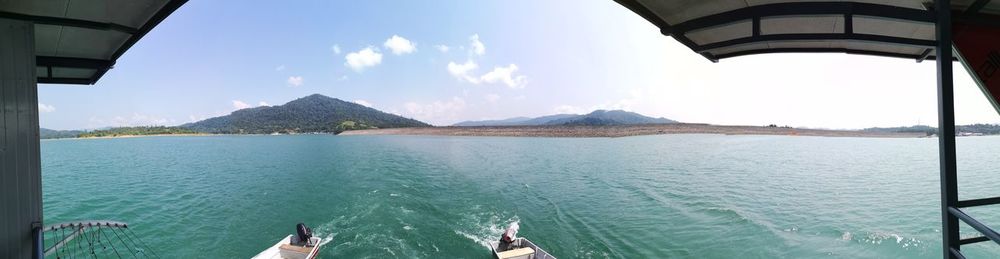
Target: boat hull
(537, 253)
(285, 250)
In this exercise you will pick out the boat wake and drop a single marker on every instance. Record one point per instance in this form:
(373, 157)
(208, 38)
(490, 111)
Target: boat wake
(326, 231)
(326, 238)
(483, 229)
(878, 238)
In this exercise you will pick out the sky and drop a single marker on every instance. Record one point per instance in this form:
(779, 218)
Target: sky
(444, 62)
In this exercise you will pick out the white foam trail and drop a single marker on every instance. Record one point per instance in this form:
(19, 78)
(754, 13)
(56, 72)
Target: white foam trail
(326, 239)
(389, 250)
(485, 242)
(489, 231)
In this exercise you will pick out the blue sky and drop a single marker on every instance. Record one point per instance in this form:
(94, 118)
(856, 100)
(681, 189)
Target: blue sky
(503, 59)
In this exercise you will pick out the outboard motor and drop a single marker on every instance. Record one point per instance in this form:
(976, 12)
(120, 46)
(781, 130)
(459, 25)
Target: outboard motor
(304, 233)
(508, 237)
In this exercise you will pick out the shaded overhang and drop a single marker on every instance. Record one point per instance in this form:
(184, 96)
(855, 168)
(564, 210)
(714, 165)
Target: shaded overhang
(77, 41)
(719, 29)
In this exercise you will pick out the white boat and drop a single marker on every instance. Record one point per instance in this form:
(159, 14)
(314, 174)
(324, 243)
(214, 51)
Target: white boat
(518, 247)
(292, 246)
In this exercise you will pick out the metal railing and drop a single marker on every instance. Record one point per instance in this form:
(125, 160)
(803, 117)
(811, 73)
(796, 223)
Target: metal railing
(91, 238)
(988, 232)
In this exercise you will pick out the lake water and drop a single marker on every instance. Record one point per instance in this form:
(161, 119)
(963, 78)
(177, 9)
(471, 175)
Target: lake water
(676, 196)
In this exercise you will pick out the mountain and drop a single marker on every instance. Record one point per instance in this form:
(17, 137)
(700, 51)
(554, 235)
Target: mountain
(511, 121)
(314, 113)
(548, 119)
(516, 121)
(614, 117)
(44, 133)
(598, 117)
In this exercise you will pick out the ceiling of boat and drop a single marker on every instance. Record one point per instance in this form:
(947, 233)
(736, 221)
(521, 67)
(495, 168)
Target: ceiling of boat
(720, 29)
(77, 41)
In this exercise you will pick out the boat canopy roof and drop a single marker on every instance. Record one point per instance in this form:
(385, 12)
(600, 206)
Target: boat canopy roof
(76, 42)
(719, 29)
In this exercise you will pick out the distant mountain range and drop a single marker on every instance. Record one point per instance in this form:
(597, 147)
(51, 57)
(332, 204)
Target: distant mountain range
(44, 133)
(314, 113)
(318, 113)
(595, 118)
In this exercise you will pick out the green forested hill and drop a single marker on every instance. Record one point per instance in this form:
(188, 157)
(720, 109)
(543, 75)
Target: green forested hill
(136, 131)
(44, 133)
(314, 113)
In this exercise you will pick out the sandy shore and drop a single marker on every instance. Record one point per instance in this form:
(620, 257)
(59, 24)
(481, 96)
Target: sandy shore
(623, 131)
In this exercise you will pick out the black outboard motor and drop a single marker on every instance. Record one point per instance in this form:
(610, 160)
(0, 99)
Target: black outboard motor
(304, 232)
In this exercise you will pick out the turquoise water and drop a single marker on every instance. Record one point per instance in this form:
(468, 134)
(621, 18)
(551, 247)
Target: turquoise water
(683, 196)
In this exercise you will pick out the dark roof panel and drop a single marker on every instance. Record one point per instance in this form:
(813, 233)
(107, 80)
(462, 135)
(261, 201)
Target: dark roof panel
(728, 28)
(77, 41)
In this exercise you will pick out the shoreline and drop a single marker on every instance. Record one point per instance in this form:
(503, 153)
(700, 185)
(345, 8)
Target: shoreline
(624, 131)
(186, 135)
(140, 136)
(613, 131)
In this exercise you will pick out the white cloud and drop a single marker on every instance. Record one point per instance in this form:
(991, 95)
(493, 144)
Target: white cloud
(567, 109)
(363, 103)
(438, 112)
(477, 46)
(492, 98)
(263, 103)
(442, 48)
(400, 45)
(201, 117)
(625, 104)
(239, 105)
(366, 57)
(294, 80)
(461, 71)
(140, 120)
(279, 68)
(46, 108)
(336, 49)
(505, 75)
(342, 78)
(131, 121)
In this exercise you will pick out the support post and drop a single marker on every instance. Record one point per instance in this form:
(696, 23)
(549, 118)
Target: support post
(20, 168)
(946, 130)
